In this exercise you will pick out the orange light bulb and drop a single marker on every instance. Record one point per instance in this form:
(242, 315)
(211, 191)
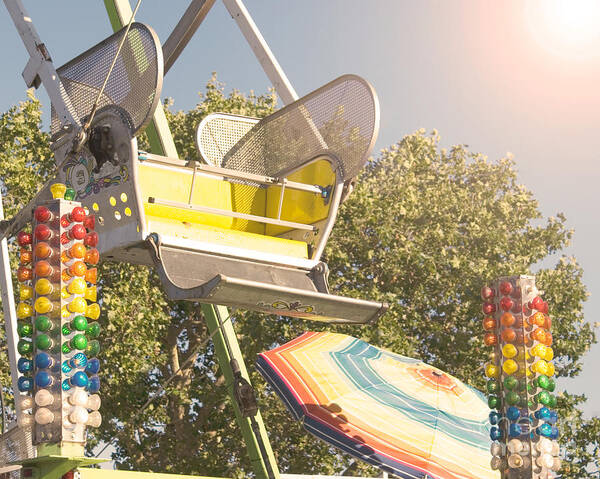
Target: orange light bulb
(24, 274)
(507, 319)
(92, 256)
(78, 251)
(91, 276)
(43, 269)
(78, 269)
(43, 250)
(25, 256)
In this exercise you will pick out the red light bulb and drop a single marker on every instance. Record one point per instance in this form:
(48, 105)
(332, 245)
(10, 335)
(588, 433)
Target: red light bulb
(506, 288)
(536, 303)
(489, 308)
(42, 214)
(24, 238)
(506, 304)
(487, 293)
(42, 233)
(77, 232)
(77, 214)
(89, 222)
(65, 221)
(91, 239)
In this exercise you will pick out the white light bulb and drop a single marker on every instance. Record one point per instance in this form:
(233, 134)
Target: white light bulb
(94, 419)
(44, 416)
(94, 402)
(555, 464)
(79, 415)
(545, 446)
(545, 460)
(24, 420)
(44, 398)
(26, 402)
(78, 398)
(496, 463)
(555, 448)
(515, 445)
(515, 461)
(496, 449)
(525, 450)
(67, 424)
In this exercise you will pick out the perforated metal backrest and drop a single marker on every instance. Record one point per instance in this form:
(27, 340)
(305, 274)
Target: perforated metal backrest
(15, 445)
(134, 84)
(340, 119)
(218, 133)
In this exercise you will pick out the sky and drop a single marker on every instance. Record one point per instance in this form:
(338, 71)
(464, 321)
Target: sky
(511, 76)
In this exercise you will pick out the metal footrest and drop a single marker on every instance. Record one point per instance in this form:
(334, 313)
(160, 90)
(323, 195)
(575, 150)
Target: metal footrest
(207, 278)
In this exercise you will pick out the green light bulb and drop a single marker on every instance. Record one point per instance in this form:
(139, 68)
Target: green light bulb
(24, 347)
(510, 383)
(513, 398)
(43, 342)
(69, 194)
(93, 348)
(93, 331)
(65, 348)
(25, 330)
(79, 341)
(79, 323)
(43, 323)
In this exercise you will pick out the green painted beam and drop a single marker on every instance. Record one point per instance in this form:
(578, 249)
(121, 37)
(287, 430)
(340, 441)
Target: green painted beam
(211, 314)
(88, 473)
(159, 135)
(54, 467)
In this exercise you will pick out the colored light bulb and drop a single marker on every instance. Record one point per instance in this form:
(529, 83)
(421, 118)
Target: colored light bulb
(512, 398)
(24, 310)
(79, 323)
(93, 348)
(94, 384)
(487, 293)
(43, 250)
(64, 293)
(43, 379)
(79, 379)
(510, 366)
(93, 330)
(78, 269)
(42, 214)
(93, 366)
(544, 430)
(492, 371)
(549, 353)
(69, 194)
(496, 433)
(93, 402)
(89, 222)
(542, 381)
(506, 304)
(552, 401)
(42, 232)
(25, 256)
(65, 221)
(514, 430)
(77, 214)
(490, 339)
(58, 190)
(510, 383)
(43, 361)
(507, 319)
(77, 232)
(78, 251)
(66, 368)
(24, 347)
(77, 305)
(93, 311)
(43, 286)
(488, 308)
(65, 276)
(79, 341)
(506, 288)
(66, 330)
(24, 329)
(489, 323)
(79, 360)
(509, 335)
(43, 342)
(24, 274)
(492, 386)
(513, 413)
(91, 276)
(551, 385)
(543, 413)
(540, 367)
(65, 385)
(25, 292)
(44, 398)
(43, 305)
(65, 348)
(24, 238)
(493, 401)
(92, 256)
(91, 239)
(24, 365)
(494, 417)
(43, 269)
(91, 294)
(64, 238)
(509, 351)
(24, 384)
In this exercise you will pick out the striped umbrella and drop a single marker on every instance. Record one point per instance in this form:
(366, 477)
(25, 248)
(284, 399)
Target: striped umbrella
(397, 413)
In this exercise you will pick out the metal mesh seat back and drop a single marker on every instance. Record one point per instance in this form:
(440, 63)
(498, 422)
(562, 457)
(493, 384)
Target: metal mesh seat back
(16, 445)
(134, 84)
(218, 133)
(340, 118)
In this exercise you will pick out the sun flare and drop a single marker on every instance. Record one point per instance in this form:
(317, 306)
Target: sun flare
(566, 27)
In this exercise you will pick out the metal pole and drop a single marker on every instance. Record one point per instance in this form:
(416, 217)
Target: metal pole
(261, 49)
(159, 135)
(184, 31)
(10, 315)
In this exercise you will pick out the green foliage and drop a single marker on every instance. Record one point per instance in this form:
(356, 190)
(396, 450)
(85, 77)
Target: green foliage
(423, 230)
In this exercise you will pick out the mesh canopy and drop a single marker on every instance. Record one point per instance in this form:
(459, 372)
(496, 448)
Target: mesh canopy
(218, 133)
(340, 118)
(134, 84)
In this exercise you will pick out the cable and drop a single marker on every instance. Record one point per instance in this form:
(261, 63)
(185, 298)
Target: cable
(161, 388)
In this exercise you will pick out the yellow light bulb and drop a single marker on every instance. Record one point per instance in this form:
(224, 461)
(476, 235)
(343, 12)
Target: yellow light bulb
(549, 356)
(509, 350)
(91, 294)
(43, 286)
(58, 190)
(77, 286)
(43, 305)
(25, 292)
(64, 293)
(78, 305)
(24, 310)
(64, 312)
(492, 371)
(93, 311)
(510, 366)
(550, 370)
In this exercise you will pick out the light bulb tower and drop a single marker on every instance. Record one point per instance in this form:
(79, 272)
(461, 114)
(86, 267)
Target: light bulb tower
(520, 379)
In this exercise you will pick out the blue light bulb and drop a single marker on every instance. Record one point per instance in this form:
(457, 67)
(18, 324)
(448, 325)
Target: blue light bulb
(494, 417)
(65, 385)
(513, 413)
(24, 365)
(544, 430)
(553, 417)
(94, 385)
(80, 360)
(65, 367)
(93, 366)
(43, 379)
(79, 379)
(43, 361)
(496, 433)
(543, 413)
(25, 384)
(514, 430)
(554, 433)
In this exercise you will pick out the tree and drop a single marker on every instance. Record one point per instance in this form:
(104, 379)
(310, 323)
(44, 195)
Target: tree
(423, 230)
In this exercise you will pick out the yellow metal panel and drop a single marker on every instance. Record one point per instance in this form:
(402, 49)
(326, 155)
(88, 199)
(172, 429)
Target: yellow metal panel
(301, 206)
(226, 237)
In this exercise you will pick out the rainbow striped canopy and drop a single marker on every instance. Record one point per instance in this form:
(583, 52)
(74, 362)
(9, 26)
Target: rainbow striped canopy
(397, 413)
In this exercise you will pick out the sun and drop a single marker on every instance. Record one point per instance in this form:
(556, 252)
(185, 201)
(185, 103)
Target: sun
(566, 27)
